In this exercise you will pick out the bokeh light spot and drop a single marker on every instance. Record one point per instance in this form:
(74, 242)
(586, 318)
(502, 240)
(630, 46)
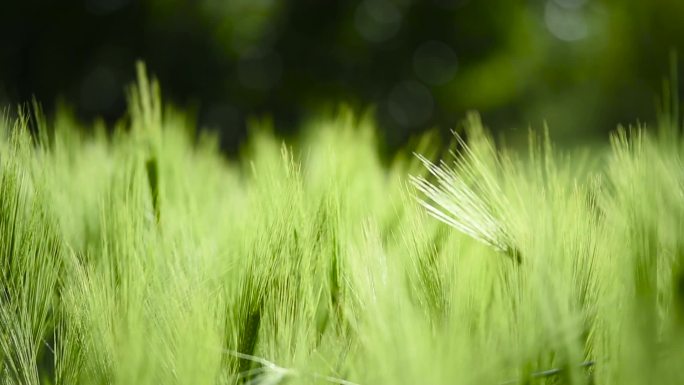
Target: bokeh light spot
(259, 69)
(99, 90)
(571, 4)
(377, 20)
(435, 63)
(103, 7)
(410, 104)
(568, 24)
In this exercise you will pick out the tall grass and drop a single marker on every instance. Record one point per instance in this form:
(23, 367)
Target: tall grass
(142, 256)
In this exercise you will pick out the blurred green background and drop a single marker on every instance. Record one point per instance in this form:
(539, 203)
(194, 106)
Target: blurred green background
(583, 66)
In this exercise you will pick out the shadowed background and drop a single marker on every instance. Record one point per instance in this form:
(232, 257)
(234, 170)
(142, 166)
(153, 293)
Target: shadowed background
(583, 66)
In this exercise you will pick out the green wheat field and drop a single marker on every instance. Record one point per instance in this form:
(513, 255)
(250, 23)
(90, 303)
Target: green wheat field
(143, 255)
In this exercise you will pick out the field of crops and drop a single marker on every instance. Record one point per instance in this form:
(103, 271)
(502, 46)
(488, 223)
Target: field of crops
(145, 256)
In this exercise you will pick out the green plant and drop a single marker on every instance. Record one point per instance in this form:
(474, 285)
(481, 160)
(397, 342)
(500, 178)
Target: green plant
(142, 256)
